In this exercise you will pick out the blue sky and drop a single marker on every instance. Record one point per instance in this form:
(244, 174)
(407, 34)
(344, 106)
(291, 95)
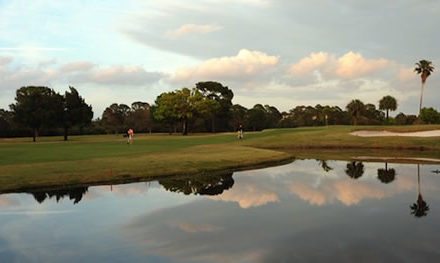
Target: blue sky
(278, 52)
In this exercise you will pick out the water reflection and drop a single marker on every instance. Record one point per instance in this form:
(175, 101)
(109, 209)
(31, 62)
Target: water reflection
(324, 165)
(355, 169)
(202, 184)
(75, 194)
(299, 212)
(386, 175)
(420, 208)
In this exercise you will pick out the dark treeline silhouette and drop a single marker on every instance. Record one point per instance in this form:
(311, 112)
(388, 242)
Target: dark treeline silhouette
(74, 194)
(207, 107)
(203, 184)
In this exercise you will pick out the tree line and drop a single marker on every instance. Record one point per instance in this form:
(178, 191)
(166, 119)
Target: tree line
(207, 107)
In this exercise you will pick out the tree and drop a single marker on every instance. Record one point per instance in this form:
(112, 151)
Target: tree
(256, 118)
(430, 116)
(420, 207)
(273, 116)
(386, 175)
(203, 184)
(114, 117)
(355, 169)
(182, 105)
(164, 109)
(372, 115)
(223, 95)
(424, 68)
(355, 109)
(38, 106)
(139, 117)
(238, 114)
(76, 111)
(324, 165)
(388, 103)
(6, 122)
(402, 119)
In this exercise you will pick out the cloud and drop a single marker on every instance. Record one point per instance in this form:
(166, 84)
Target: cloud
(407, 74)
(309, 64)
(245, 65)
(5, 61)
(195, 228)
(247, 196)
(76, 66)
(117, 75)
(353, 65)
(74, 72)
(349, 66)
(6, 201)
(188, 29)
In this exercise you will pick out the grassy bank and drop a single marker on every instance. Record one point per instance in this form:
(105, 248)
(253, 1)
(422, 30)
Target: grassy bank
(94, 159)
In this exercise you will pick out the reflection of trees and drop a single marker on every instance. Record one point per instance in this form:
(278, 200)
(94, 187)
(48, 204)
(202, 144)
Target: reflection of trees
(420, 207)
(324, 165)
(203, 184)
(355, 169)
(74, 194)
(386, 175)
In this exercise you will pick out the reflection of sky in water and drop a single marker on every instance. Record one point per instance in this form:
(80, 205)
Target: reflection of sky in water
(284, 214)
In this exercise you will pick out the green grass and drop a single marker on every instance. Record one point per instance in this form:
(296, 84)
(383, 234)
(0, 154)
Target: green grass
(105, 158)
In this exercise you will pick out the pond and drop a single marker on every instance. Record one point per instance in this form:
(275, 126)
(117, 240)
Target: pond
(308, 210)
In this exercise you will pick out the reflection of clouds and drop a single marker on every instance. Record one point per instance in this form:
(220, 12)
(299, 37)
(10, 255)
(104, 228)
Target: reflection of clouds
(346, 191)
(308, 193)
(327, 190)
(6, 201)
(350, 193)
(195, 228)
(248, 196)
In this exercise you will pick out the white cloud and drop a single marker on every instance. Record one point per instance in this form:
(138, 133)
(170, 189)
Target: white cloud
(117, 75)
(245, 65)
(349, 66)
(353, 65)
(76, 66)
(188, 29)
(309, 64)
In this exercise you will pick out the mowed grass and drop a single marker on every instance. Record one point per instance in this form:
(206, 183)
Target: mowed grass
(106, 158)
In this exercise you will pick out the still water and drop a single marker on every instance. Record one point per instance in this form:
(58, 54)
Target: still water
(308, 210)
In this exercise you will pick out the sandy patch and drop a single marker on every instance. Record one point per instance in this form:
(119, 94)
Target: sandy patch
(434, 133)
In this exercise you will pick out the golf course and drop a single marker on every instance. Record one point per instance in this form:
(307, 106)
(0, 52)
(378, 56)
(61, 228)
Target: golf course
(108, 159)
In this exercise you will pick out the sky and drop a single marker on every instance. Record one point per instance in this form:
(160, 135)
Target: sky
(279, 52)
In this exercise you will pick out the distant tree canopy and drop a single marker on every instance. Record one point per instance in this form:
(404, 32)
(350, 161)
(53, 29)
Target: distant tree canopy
(222, 96)
(355, 108)
(36, 107)
(184, 106)
(114, 118)
(76, 111)
(39, 107)
(206, 107)
(430, 116)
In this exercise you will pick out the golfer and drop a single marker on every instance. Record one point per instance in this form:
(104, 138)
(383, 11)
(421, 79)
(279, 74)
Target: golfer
(130, 134)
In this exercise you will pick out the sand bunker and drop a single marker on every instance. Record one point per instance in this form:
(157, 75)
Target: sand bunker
(434, 133)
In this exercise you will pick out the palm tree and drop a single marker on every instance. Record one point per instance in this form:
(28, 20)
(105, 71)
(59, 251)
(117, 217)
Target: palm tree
(355, 169)
(355, 108)
(386, 175)
(424, 68)
(420, 207)
(388, 103)
(324, 165)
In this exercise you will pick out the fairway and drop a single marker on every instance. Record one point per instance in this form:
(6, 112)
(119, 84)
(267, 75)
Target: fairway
(106, 158)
